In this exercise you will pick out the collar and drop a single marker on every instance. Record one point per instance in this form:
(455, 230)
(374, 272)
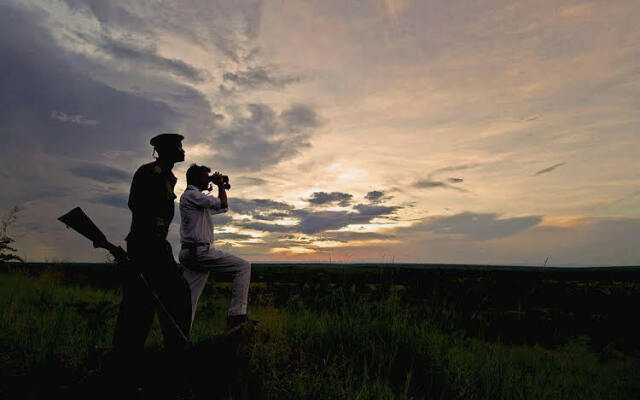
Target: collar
(166, 169)
(191, 187)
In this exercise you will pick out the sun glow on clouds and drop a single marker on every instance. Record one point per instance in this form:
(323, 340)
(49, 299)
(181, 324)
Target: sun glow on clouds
(373, 226)
(291, 250)
(567, 222)
(198, 150)
(326, 243)
(395, 7)
(352, 243)
(242, 242)
(390, 93)
(233, 229)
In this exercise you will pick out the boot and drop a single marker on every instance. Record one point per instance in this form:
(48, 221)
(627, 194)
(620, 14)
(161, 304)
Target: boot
(243, 331)
(234, 321)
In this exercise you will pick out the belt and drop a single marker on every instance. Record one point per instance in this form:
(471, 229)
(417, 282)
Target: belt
(192, 247)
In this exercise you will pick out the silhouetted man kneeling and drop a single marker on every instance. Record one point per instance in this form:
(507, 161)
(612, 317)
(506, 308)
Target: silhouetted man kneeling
(198, 255)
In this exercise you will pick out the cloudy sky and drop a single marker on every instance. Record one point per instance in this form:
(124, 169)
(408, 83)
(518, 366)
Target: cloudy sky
(500, 132)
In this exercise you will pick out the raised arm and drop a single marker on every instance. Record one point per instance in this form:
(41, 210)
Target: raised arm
(222, 193)
(205, 201)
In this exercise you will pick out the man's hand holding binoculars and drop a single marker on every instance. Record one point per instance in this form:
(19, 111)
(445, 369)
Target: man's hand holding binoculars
(221, 181)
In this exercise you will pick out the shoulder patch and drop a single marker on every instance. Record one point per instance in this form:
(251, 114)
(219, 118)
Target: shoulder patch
(157, 170)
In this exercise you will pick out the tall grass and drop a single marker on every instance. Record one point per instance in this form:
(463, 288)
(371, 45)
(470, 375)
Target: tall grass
(372, 350)
(346, 348)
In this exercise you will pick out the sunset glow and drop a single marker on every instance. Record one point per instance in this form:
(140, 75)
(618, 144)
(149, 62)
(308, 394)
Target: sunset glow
(492, 132)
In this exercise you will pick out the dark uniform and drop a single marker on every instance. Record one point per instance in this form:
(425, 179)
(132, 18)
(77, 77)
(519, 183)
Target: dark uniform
(151, 201)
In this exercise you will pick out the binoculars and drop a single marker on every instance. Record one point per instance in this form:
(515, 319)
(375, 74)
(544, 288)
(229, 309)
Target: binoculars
(225, 180)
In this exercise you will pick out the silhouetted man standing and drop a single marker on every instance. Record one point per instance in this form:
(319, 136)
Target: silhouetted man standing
(151, 201)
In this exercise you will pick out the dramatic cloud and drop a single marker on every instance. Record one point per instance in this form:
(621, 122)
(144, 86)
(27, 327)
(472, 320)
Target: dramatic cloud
(249, 181)
(322, 198)
(109, 13)
(254, 206)
(454, 168)
(314, 222)
(274, 216)
(258, 78)
(75, 119)
(377, 196)
(113, 199)
(229, 29)
(374, 196)
(264, 138)
(311, 222)
(300, 116)
(476, 226)
(345, 236)
(367, 209)
(28, 124)
(233, 236)
(219, 219)
(149, 58)
(261, 226)
(549, 169)
(404, 93)
(100, 173)
(431, 184)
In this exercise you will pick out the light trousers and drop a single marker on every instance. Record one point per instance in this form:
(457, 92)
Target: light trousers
(207, 260)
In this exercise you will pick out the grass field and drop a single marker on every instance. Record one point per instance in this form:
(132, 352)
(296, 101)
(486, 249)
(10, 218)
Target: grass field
(363, 337)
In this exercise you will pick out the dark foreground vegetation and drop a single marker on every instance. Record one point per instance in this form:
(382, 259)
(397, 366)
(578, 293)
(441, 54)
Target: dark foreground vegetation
(345, 332)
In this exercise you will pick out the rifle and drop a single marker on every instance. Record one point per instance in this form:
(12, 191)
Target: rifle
(77, 220)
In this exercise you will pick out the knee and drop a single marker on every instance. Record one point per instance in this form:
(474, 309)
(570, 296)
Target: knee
(246, 267)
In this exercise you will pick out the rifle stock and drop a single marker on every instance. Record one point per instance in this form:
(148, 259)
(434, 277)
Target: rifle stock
(77, 220)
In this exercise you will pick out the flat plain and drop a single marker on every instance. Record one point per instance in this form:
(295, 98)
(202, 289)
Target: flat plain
(344, 331)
